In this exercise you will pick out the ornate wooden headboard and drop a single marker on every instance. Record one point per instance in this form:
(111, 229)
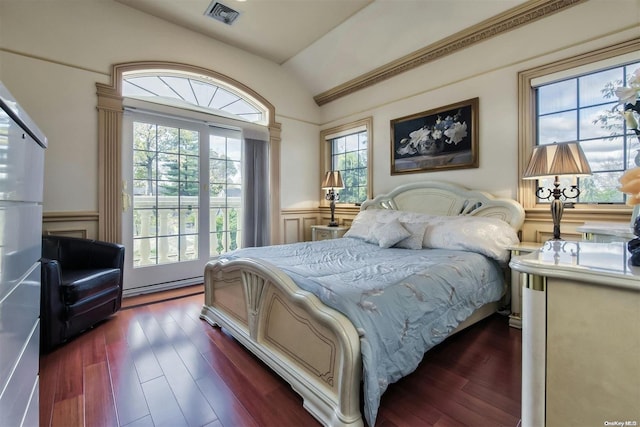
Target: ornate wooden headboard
(446, 199)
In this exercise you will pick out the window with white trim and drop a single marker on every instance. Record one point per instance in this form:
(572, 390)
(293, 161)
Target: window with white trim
(182, 160)
(191, 91)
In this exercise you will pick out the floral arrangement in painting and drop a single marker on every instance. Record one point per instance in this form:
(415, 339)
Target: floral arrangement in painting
(430, 139)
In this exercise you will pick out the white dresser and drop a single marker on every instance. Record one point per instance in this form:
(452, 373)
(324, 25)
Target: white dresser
(580, 335)
(21, 178)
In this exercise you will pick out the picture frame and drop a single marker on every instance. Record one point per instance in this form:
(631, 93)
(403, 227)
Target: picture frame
(440, 139)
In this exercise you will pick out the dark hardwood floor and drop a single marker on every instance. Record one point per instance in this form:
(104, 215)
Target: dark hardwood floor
(158, 364)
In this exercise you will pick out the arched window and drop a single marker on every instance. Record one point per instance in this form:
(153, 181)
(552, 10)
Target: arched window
(192, 91)
(222, 109)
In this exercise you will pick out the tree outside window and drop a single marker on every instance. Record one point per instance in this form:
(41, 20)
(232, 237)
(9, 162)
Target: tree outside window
(349, 156)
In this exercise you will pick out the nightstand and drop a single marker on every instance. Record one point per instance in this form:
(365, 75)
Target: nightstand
(605, 232)
(522, 248)
(324, 232)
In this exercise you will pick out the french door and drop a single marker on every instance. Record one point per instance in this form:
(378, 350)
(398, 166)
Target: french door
(182, 198)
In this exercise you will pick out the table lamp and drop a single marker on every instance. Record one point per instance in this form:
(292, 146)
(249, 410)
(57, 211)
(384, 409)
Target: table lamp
(554, 160)
(331, 181)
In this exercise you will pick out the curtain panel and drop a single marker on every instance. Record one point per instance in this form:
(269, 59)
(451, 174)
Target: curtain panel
(255, 201)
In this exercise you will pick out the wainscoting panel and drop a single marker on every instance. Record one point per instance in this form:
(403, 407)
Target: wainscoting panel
(538, 225)
(291, 228)
(296, 223)
(72, 224)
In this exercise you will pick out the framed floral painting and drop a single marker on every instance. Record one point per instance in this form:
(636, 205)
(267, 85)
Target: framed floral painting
(439, 139)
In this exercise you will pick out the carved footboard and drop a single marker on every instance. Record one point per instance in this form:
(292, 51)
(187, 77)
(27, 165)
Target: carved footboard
(313, 347)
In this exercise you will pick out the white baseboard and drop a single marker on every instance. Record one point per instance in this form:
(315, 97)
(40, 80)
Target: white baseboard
(158, 287)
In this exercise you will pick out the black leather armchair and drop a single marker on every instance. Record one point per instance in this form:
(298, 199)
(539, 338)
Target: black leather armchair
(81, 286)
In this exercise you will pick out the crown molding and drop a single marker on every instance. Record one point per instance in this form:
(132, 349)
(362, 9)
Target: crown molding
(511, 19)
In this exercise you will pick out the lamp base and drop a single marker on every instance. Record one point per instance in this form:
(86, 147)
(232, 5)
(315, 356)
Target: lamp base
(557, 207)
(332, 206)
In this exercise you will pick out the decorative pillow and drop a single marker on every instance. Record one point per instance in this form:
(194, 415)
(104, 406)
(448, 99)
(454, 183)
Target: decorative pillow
(365, 221)
(414, 241)
(388, 234)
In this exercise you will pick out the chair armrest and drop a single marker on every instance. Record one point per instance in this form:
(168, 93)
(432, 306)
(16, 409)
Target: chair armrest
(51, 306)
(107, 255)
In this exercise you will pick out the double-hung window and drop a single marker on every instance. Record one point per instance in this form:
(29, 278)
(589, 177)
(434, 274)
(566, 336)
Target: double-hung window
(347, 149)
(574, 100)
(584, 108)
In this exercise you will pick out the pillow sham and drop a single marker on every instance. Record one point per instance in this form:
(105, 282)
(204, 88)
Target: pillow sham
(485, 235)
(387, 234)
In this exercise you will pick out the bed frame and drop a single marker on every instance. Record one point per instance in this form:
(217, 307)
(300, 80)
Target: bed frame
(313, 347)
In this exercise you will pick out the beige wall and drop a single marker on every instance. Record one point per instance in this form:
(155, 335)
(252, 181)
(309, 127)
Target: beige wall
(53, 52)
(487, 70)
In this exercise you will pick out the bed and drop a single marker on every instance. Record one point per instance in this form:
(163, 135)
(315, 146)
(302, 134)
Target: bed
(318, 312)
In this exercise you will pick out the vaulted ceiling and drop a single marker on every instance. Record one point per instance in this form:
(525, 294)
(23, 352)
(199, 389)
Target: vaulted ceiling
(274, 29)
(329, 43)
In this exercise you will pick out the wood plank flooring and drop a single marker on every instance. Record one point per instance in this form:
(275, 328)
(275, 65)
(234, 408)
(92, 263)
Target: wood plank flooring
(158, 364)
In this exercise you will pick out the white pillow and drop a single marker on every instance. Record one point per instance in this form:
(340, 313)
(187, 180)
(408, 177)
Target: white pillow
(416, 237)
(367, 220)
(388, 234)
(485, 235)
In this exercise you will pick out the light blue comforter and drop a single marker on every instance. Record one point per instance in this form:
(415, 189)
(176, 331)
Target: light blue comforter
(401, 301)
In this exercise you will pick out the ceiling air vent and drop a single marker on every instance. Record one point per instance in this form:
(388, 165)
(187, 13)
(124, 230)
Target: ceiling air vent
(222, 13)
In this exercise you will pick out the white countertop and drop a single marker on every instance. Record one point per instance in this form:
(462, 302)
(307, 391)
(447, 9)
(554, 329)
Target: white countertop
(601, 263)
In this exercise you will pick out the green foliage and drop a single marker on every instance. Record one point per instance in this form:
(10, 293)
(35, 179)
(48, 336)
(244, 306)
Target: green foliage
(221, 171)
(610, 120)
(354, 176)
(166, 162)
(601, 188)
(183, 177)
(166, 154)
(232, 229)
(144, 154)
